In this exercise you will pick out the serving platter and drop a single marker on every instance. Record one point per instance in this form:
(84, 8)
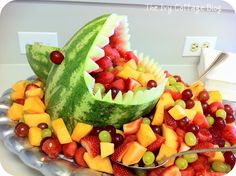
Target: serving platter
(32, 156)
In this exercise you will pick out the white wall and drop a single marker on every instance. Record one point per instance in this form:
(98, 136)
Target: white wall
(157, 33)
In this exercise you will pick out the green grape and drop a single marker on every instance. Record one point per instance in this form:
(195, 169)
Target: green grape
(104, 136)
(99, 86)
(219, 166)
(190, 139)
(179, 86)
(228, 168)
(210, 120)
(221, 113)
(191, 157)
(140, 172)
(46, 133)
(141, 68)
(146, 121)
(172, 88)
(148, 158)
(150, 165)
(181, 163)
(172, 80)
(181, 103)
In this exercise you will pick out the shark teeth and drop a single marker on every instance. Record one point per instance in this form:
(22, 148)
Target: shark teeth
(91, 66)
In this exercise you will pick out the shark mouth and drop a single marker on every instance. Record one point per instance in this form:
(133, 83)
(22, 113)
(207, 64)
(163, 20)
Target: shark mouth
(114, 33)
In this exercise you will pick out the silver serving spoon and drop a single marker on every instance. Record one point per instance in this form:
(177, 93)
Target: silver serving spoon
(165, 160)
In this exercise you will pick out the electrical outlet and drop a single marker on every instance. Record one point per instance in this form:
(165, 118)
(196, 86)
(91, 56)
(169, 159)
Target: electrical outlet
(194, 44)
(46, 38)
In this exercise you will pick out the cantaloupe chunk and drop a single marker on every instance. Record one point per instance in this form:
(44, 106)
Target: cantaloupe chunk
(159, 113)
(39, 83)
(35, 136)
(17, 95)
(20, 85)
(164, 152)
(37, 92)
(34, 119)
(61, 131)
(145, 77)
(34, 105)
(145, 135)
(81, 130)
(128, 72)
(98, 163)
(15, 112)
(171, 138)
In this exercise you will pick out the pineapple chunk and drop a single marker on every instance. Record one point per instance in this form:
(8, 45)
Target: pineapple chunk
(15, 112)
(35, 136)
(35, 119)
(81, 130)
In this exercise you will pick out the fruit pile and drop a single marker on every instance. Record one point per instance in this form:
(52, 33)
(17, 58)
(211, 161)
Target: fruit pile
(186, 117)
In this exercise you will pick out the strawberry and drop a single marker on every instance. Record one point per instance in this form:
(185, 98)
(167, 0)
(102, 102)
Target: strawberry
(132, 84)
(119, 84)
(69, 149)
(171, 171)
(120, 152)
(156, 172)
(132, 127)
(20, 101)
(201, 164)
(79, 157)
(121, 170)
(105, 78)
(205, 145)
(104, 62)
(119, 62)
(156, 144)
(130, 138)
(175, 95)
(229, 133)
(91, 144)
(180, 134)
(188, 172)
(31, 86)
(204, 135)
(200, 120)
(213, 107)
(111, 52)
(170, 121)
(130, 55)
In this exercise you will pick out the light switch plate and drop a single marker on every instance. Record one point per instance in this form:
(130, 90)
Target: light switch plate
(46, 38)
(194, 44)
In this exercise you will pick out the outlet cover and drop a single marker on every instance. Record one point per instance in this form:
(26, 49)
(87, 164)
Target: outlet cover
(200, 42)
(45, 38)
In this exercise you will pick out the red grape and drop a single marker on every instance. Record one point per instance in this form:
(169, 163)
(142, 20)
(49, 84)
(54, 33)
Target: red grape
(187, 94)
(228, 109)
(205, 108)
(230, 158)
(114, 92)
(22, 129)
(177, 78)
(117, 139)
(96, 130)
(156, 129)
(230, 118)
(111, 129)
(219, 122)
(51, 147)
(151, 84)
(43, 126)
(193, 128)
(56, 57)
(221, 142)
(183, 122)
(189, 103)
(203, 96)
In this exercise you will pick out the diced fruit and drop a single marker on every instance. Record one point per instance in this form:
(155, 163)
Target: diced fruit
(205, 145)
(172, 171)
(170, 137)
(190, 103)
(145, 135)
(17, 95)
(105, 136)
(35, 136)
(151, 84)
(148, 158)
(15, 112)
(121, 170)
(157, 129)
(56, 57)
(213, 107)
(22, 130)
(37, 92)
(169, 120)
(132, 64)
(215, 96)
(201, 121)
(177, 112)
(167, 100)
(187, 94)
(201, 164)
(130, 55)
(188, 172)
(181, 163)
(221, 113)
(98, 163)
(132, 127)
(61, 131)
(164, 152)
(217, 157)
(119, 62)
(179, 86)
(144, 78)
(128, 72)
(34, 120)
(51, 147)
(159, 113)
(20, 101)
(203, 96)
(190, 114)
(42, 125)
(105, 78)
(111, 129)
(230, 118)
(91, 144)
(228, 109)
(191, 157)
(183, 147)
(31, 86)
(181, 103)
(81, 130)
(229, 133)
(219, 123)
(119, 84)
(46, 133)
(132, 84)
(156, 144)
(175, 95)
(120, 152)
(204, 135)
(104, 62)
(79, 157)
(146, 121)
(219, 166)
(197, 87)
(69, 149)
(34, 105)
(111, 52)
(20, 85)
(230, 158)
(210, 120)
(197, 107)
(134, 154)
(190, 139)
(106, 148)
